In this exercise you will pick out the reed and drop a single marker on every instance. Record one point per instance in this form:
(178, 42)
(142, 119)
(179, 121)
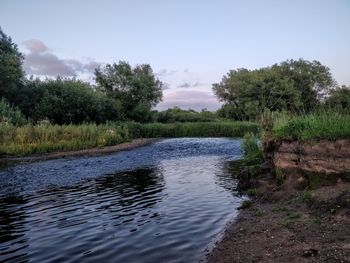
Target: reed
(45, 137)
(317, 126)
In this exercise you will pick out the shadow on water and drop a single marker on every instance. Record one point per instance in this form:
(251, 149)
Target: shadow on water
(166, 208)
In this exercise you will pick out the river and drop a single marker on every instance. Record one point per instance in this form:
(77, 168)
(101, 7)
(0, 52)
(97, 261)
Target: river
(163, 202)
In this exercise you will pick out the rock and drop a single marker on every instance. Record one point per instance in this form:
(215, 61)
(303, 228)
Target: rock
(310, 253)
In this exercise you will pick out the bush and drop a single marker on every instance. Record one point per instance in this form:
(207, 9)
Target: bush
(252, 150)
(10, 115)
(325, 125)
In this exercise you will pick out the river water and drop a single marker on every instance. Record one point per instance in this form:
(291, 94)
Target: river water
(160, 203)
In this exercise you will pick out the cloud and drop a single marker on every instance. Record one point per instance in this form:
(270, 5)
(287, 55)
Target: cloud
(165, 86)
(42, 62)
(184, 85)
(164, 72)
(190, 99)
(187, 85)
(35, 46)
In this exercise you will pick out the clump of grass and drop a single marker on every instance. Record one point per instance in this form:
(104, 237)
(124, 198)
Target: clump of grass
(325, 125)
(257, 211)
(280, 177)
(246, 204)
(291, 218)
(252, 150)
(315, 221)
(306, 197)
(252, 192)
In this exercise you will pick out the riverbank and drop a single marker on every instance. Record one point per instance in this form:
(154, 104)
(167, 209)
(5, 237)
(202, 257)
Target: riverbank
(289, 226)
(46, 138)
(85, 152)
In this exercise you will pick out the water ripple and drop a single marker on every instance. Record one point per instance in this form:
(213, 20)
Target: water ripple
(160, 203)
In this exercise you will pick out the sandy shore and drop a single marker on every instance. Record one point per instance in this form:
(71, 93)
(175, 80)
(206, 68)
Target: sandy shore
(292, 228)
(86, 152)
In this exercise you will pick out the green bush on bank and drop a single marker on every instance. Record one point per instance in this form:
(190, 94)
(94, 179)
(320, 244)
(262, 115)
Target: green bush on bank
(324, 125)
(252, 150)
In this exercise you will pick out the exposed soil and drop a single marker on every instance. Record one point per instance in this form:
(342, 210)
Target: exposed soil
(284, 225)
(86, 152)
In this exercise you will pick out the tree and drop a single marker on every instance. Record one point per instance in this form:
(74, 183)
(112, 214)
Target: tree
(339, 99)
(11, 73)
(294, 86)
(312, 79)
(137, 89)
(64, 101)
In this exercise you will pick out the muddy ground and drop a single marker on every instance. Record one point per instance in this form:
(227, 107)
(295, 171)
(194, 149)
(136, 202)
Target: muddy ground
(289, 226)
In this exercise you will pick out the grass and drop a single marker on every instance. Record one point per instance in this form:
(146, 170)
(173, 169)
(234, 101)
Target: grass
(252, 150)
(44, 138)
(326, 125)
(193, 129)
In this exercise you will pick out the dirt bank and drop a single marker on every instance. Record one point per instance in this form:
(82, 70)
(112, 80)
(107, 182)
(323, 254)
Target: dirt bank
(87, 152)
(299, 210)
(312, 226)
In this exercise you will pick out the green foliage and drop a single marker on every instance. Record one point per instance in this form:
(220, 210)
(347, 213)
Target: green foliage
(45, 137)
(290, 218)
(246, 204)
(10, 115)
(294, 85)
(326, 125)
(65, 101)
(280, 177)
(252, 150)
(195, 129)
(11, 73)
(306, 197)
(339, 100)
(252, 192)
(178, 115)
(136, 88)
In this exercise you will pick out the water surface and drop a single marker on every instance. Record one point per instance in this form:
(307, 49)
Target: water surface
(159, 203)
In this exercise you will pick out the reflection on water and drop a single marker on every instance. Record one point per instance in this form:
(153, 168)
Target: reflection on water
(166, 210)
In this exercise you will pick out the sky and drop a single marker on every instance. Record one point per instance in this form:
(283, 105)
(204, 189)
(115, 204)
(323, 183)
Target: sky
(190, 44)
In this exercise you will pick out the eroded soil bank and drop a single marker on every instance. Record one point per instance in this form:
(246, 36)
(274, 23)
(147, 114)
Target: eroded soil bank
(301, 213)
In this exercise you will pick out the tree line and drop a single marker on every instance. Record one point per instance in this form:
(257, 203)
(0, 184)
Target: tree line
(126, 93)
(121, 92)
(294, 86)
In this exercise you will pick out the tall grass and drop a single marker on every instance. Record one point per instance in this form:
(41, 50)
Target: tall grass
(325, 125)
(193, 129)
(44, 137)
(252, 150)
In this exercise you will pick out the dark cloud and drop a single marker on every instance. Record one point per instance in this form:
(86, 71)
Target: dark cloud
(40, 61)
(165, 72)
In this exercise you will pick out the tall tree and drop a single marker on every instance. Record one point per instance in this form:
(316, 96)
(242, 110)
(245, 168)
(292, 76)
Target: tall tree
(11, 73)
(137, 89)
(296, 86)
